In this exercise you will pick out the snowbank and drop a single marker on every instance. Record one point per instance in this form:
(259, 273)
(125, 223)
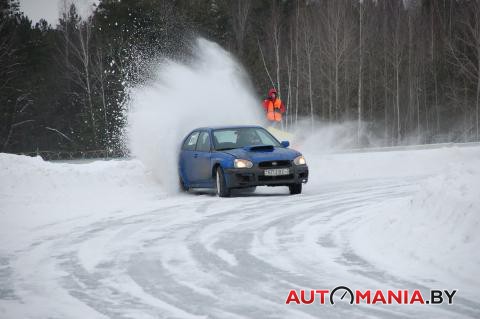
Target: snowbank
(431, 237)
(34, 192)
(342, 167)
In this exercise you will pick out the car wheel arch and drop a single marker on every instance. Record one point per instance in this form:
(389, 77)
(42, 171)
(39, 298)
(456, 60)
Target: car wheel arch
(183, 178)
(214, 169)
(222, 163)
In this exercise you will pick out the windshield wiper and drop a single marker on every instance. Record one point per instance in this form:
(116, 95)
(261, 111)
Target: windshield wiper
(225, 149)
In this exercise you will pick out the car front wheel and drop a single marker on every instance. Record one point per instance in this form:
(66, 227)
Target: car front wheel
(222, 189)
(295, 188)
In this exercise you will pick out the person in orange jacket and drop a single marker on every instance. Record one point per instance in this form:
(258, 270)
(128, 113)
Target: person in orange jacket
(274, 107)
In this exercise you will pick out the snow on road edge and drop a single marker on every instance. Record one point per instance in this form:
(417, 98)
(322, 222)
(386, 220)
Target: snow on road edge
(34, 193)
(431, 238)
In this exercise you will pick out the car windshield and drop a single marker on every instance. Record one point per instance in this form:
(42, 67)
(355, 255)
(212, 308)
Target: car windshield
(225, 139)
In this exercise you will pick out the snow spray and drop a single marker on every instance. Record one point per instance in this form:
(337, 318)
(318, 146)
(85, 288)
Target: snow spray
(212, 90)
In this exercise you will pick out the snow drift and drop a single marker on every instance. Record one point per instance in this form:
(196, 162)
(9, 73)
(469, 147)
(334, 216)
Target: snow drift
(34, 192)
(433, 236)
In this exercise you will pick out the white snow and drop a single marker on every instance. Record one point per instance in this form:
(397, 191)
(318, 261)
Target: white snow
(346, 166)
(104, 238)
(211, 90)
(35, 193)
(432, 235)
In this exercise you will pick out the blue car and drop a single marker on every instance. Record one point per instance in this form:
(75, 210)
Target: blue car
(226, 158)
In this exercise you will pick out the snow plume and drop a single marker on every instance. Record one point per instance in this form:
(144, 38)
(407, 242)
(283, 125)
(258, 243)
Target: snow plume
(213, 89)
(327, 137)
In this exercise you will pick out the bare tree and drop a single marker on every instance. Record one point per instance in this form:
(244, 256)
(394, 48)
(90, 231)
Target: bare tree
(289, 64)
(465, 49)
(7, 62)
(397, 61)
(276, 36)
(99, 73)
(360, 69)
(78, 44)
(240, 10)
(336, 44)
(297, 61)
(9, 71)
(265, 63)
(309, 46)
(434, 62)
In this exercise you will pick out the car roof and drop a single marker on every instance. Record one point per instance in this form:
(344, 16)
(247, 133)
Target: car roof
(211, 128)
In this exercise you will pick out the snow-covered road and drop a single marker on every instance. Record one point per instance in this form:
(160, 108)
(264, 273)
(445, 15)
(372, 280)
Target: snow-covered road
(135, 252)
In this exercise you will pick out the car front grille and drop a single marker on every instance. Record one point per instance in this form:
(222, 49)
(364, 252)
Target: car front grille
(275, 164)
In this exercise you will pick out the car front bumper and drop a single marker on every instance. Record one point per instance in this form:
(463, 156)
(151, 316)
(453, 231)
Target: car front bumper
(255, 176)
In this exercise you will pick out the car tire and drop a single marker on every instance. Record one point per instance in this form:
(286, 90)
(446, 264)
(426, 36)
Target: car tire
(222, 189)
(295, 188)
(249, 190)
(181, 185)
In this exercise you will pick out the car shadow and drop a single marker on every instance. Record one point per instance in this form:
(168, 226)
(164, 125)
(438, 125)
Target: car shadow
(259, 195)
(237, 193)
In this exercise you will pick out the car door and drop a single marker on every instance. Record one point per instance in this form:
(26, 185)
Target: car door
(203, 157)
(187, 158)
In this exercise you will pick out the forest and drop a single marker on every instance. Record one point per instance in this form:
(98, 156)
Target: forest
(395, 68)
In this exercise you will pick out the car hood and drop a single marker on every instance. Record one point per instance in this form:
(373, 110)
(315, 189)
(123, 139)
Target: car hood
(260, 154)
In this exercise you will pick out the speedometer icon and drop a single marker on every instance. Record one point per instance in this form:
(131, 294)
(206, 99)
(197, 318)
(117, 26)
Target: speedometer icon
(343, 292)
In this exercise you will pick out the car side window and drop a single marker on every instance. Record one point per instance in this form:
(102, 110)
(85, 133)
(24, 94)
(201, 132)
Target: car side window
(203, 144)
(190, 142)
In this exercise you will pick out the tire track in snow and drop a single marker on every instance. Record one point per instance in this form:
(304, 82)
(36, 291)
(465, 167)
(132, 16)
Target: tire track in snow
(210, 257)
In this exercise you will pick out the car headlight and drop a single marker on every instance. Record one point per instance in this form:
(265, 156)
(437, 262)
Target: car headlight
(299, 160)
(242, 163)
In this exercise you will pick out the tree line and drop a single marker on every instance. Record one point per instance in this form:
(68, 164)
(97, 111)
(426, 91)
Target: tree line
(395, 68)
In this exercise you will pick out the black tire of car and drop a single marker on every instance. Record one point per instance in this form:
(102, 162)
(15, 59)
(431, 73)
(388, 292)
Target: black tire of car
(181, 184)
(249, 190)
(222, 189)
(295, 188)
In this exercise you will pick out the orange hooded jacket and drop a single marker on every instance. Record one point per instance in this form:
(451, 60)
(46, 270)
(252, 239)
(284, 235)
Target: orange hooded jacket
(273, 107)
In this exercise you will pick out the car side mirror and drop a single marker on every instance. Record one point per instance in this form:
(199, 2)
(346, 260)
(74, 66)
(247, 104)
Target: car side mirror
(285, 144)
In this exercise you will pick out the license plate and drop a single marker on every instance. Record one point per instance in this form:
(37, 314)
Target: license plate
(277, 171)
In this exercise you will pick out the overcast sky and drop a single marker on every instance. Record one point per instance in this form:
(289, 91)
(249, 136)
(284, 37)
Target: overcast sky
(49, 9)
